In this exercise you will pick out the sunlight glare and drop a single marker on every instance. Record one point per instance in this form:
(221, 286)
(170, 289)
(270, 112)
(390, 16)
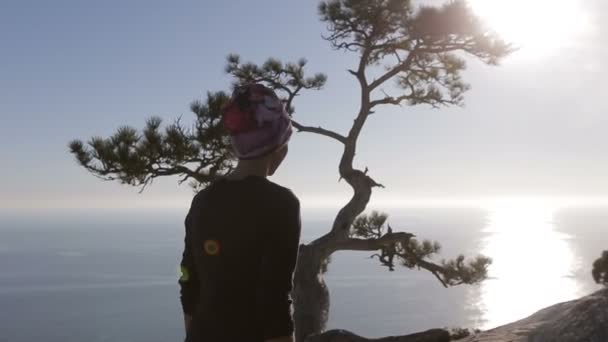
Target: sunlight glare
(532, 262)
(534, 26)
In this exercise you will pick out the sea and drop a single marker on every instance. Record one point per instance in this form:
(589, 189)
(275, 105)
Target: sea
(111, 275)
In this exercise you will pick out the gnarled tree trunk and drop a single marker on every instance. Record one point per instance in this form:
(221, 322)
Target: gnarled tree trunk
(310, 293)
(311, 296)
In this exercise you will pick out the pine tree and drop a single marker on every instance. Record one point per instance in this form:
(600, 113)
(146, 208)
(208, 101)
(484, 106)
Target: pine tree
(418, 52)
(600, 269)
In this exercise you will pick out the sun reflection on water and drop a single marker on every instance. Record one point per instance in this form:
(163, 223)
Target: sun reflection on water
(532, 264)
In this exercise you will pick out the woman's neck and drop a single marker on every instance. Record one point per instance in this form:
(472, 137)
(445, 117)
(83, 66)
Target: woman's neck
(246, 168)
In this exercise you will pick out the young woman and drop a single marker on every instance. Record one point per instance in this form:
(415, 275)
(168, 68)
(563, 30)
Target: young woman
(242, 233)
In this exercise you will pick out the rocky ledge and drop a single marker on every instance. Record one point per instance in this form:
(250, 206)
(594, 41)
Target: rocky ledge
(581, 320)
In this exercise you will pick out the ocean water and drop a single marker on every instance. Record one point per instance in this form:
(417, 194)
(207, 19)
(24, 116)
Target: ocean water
(105, 275)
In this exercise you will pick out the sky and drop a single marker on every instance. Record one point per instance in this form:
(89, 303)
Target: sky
(535, 126)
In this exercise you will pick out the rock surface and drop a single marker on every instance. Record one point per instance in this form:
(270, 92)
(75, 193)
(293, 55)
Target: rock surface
(581, 320)
(434, 335)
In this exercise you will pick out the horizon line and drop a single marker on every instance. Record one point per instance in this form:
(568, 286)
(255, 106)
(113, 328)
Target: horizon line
(322, 202)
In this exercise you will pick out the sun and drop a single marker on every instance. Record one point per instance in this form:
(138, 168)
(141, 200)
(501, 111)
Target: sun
(534, 26)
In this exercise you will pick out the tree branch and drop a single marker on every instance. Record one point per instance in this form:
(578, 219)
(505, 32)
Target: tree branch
(390, 100)
(405, 65)
(318, 130)
(435, 269)
(353, 244)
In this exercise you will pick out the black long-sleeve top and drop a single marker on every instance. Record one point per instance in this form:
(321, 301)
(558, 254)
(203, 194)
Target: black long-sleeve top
(240, 252)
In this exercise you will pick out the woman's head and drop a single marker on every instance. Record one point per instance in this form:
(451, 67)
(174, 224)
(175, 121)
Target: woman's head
(258, 123)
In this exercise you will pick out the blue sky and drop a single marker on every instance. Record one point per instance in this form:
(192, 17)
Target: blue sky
(534, 126)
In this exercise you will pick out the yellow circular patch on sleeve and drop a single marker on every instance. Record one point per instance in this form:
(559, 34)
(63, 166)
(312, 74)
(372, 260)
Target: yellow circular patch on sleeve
(211, 247)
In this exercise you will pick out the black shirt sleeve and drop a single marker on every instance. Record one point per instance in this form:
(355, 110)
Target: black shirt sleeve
(279, 261)
(189, 280)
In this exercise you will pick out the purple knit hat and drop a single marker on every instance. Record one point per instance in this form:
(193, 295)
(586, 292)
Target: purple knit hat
(257, 121)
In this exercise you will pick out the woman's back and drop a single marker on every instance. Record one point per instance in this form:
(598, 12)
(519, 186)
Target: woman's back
(241, 248)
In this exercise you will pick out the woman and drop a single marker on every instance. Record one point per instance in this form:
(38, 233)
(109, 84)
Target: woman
(242, 233)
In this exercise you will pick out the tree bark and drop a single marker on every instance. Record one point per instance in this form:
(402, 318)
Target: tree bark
(310, 294)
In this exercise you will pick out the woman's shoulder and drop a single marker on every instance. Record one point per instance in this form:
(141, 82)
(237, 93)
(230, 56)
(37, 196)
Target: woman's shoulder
(278, 195)
(283, 193)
